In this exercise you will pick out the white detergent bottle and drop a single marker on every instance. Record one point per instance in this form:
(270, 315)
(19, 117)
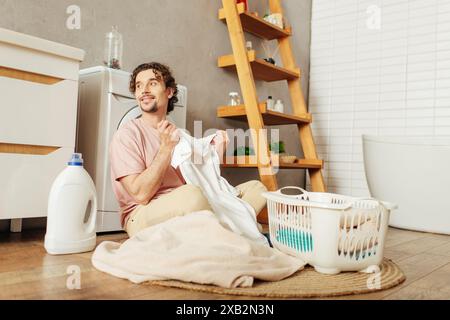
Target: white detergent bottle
(72, 211)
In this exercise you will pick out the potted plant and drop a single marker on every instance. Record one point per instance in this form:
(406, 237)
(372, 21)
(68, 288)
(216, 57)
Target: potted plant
(244, 155)
(243, 151)
(277, 149)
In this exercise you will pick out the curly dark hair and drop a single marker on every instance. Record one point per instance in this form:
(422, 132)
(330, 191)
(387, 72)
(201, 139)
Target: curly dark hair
(162, 71)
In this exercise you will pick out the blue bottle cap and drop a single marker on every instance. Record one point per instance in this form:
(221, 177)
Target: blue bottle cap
(76, 160)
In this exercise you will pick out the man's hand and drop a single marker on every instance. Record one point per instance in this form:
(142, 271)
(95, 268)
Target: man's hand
(168, 135)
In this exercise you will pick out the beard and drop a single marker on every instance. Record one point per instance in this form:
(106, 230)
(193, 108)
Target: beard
(152, 108)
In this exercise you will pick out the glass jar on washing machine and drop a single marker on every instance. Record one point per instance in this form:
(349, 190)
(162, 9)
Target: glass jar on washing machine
(113, 49)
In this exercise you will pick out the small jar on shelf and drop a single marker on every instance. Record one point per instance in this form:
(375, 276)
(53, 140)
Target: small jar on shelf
(270, 103)
(279, 106)
(235, 100)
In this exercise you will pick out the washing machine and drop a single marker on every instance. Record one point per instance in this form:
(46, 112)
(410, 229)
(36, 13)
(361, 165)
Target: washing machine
(104, 105)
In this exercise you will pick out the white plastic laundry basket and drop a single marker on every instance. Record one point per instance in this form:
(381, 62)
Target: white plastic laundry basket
(331, 232)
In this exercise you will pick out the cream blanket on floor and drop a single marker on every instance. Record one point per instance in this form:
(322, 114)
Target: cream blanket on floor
(194, 248)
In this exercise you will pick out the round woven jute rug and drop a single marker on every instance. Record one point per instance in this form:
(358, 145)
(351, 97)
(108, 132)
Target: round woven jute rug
(308, 283)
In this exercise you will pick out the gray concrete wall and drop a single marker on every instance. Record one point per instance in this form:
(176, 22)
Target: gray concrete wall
(186, 35)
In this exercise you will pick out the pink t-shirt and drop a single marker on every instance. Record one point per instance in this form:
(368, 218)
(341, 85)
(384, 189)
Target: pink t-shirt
(132, 150)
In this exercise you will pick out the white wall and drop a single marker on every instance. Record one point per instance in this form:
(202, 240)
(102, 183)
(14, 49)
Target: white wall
(388, 81)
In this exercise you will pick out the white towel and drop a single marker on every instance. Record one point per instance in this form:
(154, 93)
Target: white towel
(200, 166)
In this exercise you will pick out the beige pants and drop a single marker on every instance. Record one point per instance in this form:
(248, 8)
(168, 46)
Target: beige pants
(184, 200)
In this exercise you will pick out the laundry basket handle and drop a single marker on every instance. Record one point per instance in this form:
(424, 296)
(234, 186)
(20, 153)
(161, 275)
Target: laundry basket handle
(350, 204)
(386, 205)
(292, 187)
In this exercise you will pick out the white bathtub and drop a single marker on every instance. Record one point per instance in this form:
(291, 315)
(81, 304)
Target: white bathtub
(413, 173)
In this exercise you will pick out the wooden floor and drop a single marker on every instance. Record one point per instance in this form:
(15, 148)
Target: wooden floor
(28, 272)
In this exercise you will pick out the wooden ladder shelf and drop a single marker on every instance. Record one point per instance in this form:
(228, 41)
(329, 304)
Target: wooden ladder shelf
(250, 68)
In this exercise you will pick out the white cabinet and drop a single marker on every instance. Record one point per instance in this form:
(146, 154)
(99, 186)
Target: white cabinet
(38, 117)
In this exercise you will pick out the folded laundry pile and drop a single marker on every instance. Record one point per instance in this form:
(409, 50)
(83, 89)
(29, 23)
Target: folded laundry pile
(194, 248)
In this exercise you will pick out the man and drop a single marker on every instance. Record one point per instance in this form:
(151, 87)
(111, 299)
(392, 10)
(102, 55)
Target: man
(148, 188)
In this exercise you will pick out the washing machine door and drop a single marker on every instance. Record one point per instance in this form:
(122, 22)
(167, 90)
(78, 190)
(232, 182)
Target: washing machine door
(121, 110)
(133, 113)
